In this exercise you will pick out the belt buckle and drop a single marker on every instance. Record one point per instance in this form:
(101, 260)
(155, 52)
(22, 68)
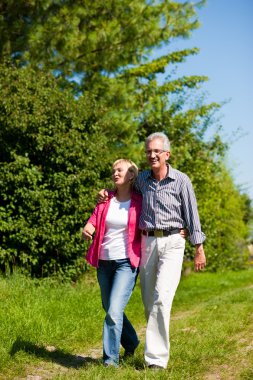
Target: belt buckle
(158, 233)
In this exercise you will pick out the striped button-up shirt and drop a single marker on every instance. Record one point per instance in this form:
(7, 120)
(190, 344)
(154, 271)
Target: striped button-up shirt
(169, 203)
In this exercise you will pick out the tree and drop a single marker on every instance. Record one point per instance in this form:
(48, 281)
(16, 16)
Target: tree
(102, 47)
(90, 38)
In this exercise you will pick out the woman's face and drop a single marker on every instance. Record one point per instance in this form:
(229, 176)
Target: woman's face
(121, 174)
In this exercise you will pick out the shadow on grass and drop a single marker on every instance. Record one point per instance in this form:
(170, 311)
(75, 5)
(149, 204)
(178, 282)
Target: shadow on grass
(53, 354)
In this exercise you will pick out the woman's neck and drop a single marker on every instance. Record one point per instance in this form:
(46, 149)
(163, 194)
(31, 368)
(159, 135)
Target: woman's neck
(123, 194)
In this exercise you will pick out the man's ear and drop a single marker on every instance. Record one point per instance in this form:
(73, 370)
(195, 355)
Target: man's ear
(167, 155)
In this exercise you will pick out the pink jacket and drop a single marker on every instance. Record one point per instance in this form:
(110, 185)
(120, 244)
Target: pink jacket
(97, 219)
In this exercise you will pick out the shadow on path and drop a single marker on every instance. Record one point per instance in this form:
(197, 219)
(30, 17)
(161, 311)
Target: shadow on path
(52, 354)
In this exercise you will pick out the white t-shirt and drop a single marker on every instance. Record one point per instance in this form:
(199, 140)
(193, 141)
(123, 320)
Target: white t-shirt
(114, 245)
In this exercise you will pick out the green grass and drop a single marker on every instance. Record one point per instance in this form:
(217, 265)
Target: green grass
(45, 325)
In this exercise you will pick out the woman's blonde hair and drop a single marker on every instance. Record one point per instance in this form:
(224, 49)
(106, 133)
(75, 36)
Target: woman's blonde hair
(132, 167)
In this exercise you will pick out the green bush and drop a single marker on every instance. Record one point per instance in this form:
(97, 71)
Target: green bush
(49, 172)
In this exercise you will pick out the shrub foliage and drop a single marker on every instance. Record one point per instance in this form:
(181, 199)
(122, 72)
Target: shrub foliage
(51, 161)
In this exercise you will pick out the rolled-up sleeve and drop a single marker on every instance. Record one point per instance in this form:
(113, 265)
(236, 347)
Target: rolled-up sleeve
(191, 215)
(93, 218)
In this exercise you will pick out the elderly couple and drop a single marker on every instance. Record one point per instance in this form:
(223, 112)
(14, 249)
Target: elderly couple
(142, 224)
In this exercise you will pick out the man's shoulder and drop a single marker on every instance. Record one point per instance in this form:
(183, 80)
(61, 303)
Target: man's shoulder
(178, 175)
(143, 174)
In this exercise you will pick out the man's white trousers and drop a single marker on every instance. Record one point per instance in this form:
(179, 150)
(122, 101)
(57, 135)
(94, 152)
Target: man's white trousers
(160, 272)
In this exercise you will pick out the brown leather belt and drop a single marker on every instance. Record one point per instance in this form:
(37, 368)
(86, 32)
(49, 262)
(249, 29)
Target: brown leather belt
(161, 233)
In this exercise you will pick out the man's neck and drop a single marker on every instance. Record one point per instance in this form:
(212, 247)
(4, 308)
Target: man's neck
(160, 173)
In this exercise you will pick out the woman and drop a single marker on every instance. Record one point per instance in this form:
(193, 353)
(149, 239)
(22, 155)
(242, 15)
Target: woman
(115, 252)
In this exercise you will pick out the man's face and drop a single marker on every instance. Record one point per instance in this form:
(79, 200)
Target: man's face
(156, 156)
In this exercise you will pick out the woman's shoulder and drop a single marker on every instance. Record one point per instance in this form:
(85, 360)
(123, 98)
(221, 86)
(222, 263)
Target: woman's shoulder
(101, 205)
(111, 194)
(137, 197)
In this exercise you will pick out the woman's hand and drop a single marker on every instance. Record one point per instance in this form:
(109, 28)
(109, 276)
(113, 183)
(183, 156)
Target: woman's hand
(88, 231)
(184, 233)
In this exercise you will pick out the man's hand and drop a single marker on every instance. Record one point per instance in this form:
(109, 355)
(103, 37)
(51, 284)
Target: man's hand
(88, 231)
(200, 258)
(102, 196)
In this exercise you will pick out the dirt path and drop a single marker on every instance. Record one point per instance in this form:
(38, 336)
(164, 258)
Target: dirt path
(49, 371)
(241, 361)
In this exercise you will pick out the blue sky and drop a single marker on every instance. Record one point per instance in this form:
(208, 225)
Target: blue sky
(226, 57)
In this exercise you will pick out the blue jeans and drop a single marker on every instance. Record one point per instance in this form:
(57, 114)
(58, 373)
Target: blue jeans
(116, 279)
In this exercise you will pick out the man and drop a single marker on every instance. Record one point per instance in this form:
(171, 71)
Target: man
(168, 205)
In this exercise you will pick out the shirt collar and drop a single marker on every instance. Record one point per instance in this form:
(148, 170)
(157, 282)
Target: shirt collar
(170, 172)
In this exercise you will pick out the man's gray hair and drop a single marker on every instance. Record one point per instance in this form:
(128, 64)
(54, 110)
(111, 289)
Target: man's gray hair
(161, 136)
